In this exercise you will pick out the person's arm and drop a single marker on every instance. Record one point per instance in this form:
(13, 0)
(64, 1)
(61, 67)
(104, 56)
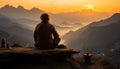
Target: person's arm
(35, 34)
(56, 36)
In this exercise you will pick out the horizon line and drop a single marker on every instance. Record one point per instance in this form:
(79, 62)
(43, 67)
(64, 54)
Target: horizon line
(52, 12)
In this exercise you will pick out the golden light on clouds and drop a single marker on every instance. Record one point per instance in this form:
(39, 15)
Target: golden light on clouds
(57, 6)
(90, 7)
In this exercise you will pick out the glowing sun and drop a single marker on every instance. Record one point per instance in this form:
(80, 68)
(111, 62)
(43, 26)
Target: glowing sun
(90, 7)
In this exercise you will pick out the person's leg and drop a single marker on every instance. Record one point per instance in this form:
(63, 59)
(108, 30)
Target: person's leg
(56, 42)
(61, 46)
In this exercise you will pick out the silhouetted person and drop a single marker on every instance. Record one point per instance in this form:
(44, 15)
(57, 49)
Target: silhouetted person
(7, 46)
(3, 43)
(45, 35)
(87, 58)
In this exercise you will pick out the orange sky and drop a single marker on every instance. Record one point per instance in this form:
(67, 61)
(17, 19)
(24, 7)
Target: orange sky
(57, 6)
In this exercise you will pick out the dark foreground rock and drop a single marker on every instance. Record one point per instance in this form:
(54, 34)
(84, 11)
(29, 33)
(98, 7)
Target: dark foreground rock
(29, 58)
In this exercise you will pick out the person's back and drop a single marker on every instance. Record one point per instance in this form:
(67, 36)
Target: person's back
(45, 34)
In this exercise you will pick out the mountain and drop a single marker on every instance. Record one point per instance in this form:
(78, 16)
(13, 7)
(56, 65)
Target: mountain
(20, 12)
(69, 17)
(29, 18)
(63, 22)
(97, 37)
(83, 16)
(114, 18)
(14, 32)
(20, 30)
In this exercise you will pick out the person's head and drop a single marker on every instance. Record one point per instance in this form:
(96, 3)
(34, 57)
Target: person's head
(45, 17)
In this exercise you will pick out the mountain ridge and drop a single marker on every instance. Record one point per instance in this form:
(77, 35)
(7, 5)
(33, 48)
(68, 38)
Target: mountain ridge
(97, 39)
(20, 12)
(14, 32)
(114, 18)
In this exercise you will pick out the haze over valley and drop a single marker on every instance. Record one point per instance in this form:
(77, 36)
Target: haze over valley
(100, 37)
(63, 22)
(86, 30)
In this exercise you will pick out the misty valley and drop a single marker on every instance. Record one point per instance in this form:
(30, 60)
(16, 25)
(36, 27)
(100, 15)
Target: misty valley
(97, 32)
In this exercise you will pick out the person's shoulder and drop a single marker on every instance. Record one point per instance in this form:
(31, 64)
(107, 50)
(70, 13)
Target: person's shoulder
(51, 25)
(38, 25)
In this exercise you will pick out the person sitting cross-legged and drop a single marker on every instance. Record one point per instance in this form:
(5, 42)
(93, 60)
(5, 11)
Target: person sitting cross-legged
(45, 34)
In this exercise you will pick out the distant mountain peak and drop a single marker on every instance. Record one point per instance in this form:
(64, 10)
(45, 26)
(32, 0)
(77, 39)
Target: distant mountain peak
(36, 9)
(20, 7)
(8, 6)
(116, 15)
(112, 19)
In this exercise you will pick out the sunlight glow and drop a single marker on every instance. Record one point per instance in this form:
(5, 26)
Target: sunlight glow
(58, 6)
(90, 7)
